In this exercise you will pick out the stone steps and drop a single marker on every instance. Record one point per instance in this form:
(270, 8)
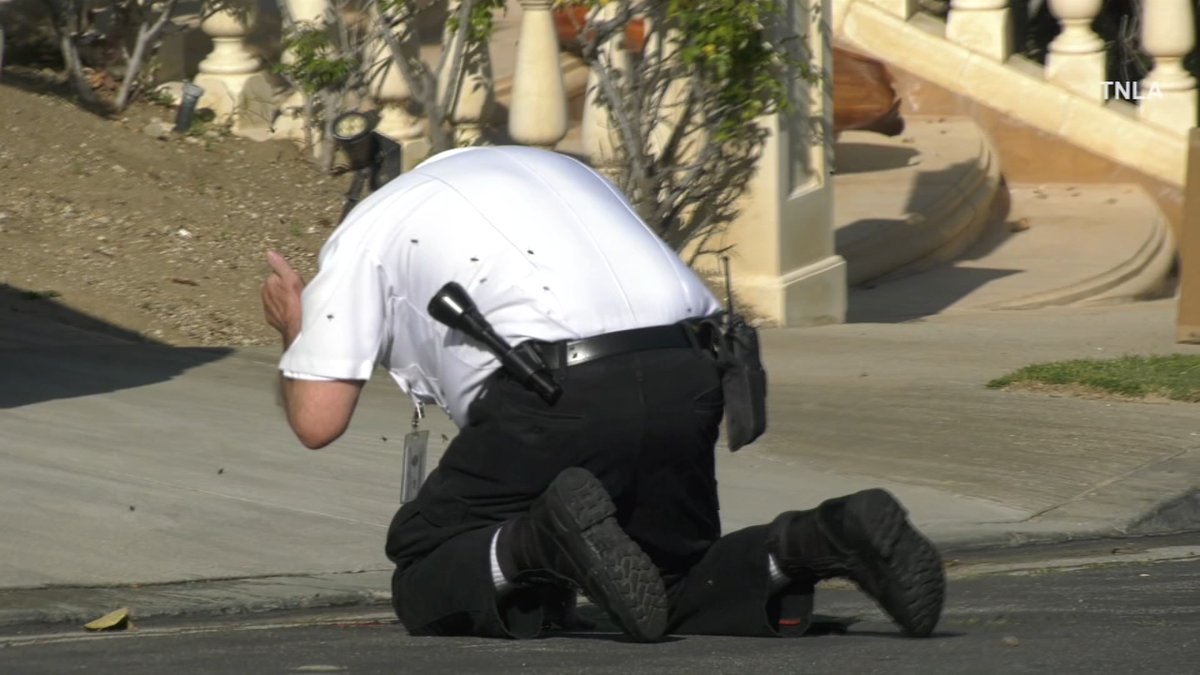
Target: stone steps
(1057, 244)
(927, 224)
(907, 203)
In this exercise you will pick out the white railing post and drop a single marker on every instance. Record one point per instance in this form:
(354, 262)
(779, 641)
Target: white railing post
(1169, 93)
(474, 90)
(1076, 58)
(538, 115)
(983, 26)
(235, 86)
(600, 137)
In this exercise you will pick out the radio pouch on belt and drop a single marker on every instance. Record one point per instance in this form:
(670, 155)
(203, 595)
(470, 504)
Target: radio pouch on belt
(743, 380)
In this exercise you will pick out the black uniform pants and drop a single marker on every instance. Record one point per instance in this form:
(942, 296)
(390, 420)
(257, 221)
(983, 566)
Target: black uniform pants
(645, 424)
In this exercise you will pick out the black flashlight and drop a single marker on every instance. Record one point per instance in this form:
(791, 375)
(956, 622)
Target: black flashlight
(453, 307)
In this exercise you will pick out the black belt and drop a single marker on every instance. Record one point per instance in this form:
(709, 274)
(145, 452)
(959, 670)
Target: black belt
(574, 352)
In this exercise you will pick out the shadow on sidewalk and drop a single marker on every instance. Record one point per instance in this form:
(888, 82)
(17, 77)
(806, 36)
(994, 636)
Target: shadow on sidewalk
(917, 296)
(49, 351)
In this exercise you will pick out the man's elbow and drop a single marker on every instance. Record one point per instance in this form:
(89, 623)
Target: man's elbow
(317, 436)
(319, 412)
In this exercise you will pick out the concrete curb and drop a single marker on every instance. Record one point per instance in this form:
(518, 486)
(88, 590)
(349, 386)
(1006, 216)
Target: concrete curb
(25, 607)
(219, 597)
(1133, 506)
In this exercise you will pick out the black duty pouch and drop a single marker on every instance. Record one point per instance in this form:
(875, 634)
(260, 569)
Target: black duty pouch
(743, 380)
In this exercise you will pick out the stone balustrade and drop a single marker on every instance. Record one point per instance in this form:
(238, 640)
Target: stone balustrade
(1076, 61)
(1077, 58)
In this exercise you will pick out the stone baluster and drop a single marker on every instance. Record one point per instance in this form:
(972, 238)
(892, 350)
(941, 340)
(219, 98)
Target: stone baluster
(983, 26)
(1076, 58)
(391, 93)
(474, 97)
(235, 86)
(901, 8)
(308, 12)
(1168, 94)
(538, 116)
(601, 140)
(290, 124)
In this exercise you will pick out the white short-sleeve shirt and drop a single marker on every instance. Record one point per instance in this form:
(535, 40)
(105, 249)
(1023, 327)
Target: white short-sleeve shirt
(547, 248)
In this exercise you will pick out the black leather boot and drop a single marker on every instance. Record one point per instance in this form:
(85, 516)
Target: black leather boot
(570, 537)
(865, 537)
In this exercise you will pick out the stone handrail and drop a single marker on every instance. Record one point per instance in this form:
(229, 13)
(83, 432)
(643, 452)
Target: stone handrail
(1076, 59)
(972, 54)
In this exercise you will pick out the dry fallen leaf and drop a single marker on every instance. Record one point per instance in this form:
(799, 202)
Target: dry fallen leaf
(1010, 641)
(115, 620)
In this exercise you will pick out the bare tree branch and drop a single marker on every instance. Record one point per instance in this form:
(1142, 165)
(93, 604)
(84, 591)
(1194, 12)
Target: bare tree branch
(148, 32)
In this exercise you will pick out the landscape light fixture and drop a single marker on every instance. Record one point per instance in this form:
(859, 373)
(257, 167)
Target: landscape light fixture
(187, 106)
(352, 131)
(374, 158)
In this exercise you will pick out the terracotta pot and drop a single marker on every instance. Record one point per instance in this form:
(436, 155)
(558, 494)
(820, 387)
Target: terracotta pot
(568, 21)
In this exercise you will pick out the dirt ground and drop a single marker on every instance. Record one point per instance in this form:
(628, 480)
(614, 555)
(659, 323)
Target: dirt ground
(158, 239)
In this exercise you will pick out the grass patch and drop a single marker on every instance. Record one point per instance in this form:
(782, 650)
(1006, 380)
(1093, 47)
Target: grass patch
(1174, 376)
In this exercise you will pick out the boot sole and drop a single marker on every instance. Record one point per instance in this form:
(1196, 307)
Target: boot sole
(894, 563)
(612, 569)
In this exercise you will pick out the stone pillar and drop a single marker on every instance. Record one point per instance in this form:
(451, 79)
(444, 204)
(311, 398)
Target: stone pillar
(235, 86)
(1076, 59)
(784, 263)
(538, 116)
(1169, 93)
(394, 98)
(474, 91)
(983, 26)
(601, 139)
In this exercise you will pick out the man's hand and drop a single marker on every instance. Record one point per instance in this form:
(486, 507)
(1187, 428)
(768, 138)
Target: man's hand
(281, 298)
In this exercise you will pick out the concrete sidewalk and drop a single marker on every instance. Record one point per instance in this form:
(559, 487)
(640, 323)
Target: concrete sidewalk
(166, 479)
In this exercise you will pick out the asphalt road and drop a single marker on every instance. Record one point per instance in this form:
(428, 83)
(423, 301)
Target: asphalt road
(1040, 610)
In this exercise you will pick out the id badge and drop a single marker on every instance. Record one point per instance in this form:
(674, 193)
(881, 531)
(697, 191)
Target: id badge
(415, 444)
